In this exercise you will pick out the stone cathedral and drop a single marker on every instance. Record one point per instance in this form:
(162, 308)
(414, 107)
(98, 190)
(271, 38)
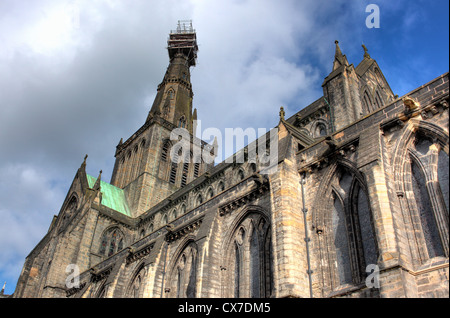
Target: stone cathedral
(358, 205)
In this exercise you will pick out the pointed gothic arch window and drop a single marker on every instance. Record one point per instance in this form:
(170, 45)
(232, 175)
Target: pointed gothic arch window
(183, 278)
(378, 99)
(182, 122)
(170, 94)
(352, 235)
(320, 131)
(426, 184)
(425, 209)
(135, 288)
(70, 209)
(210, 193)
(112, 241)
(341, 243)
(367, 102)
(174, 214)
(164, 220)
(249, 259)
(199, 199)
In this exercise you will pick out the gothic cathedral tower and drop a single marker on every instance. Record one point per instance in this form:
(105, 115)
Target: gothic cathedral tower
(144, 167)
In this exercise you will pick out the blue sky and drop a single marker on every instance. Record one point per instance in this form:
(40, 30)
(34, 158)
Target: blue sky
(78, 75)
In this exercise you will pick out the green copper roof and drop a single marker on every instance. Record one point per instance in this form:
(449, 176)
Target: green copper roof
(112, 197)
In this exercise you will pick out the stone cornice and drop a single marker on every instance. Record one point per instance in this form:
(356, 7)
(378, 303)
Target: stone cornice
(175, 234)
(261, 188)
(135, 255)
(333, 150)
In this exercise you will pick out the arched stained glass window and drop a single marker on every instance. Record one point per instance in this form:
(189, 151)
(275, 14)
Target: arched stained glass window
(112, 241)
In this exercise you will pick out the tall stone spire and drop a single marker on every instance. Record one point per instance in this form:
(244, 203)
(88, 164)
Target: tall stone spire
(173, 102)
(339, 58)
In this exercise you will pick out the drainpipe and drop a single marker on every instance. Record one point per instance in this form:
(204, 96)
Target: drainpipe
(307, 239)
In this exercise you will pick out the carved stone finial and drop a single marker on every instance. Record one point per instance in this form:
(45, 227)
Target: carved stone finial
(84, 161)
(338, 49)
(282, 113)
(365, 51)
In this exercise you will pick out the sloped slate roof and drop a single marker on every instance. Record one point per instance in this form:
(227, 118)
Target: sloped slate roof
(112, 196)
(362, 67)
(300, 135)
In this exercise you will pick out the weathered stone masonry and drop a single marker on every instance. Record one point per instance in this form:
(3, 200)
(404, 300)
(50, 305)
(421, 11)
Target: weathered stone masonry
(374, 173)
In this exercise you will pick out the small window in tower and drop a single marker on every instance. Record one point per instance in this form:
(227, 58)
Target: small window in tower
(173, 173)
(165, 151)
(182, 122)
(196, 169)
(173, 169)
(185, 174)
